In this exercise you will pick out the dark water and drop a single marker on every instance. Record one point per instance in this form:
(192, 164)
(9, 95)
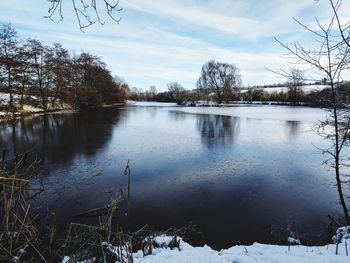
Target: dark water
(238, 173)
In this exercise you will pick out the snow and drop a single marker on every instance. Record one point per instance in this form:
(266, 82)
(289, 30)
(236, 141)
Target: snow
(26, 108)
(306, 88)
(342, 235)
(29, 108)
(245, 254)
(293, 241)
(263, 253)
(151, 103)
(206, 103)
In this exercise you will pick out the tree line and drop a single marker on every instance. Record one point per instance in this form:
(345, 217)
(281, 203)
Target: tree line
(222, 83)
(218, 81)
(47, 76)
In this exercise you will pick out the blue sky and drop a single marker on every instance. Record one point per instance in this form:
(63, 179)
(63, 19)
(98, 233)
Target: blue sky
(162, 41)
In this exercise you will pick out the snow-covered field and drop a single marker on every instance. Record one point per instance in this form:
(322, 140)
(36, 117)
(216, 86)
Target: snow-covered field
(306, 88)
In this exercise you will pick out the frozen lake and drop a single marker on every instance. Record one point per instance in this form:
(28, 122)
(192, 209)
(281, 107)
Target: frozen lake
(241, 174)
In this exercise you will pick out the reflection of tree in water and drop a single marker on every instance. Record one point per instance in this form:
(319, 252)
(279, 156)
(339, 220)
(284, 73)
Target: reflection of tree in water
(293, 128)
(217, 130)
(177, 115)
(60, 137)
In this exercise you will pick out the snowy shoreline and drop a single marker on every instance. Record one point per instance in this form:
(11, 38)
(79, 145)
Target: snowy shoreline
(161, 249)
(27, 110)
(246, 254)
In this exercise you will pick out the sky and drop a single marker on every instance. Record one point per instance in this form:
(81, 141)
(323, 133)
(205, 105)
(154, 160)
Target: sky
(157, 42)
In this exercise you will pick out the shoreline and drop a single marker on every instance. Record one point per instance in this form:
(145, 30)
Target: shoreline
(9, 117)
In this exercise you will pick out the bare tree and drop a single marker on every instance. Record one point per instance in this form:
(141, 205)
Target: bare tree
(153, 90)
(41, 77)
(330, 58)
(87, 12)
(177, 92)
(295, 82)
(223, 79)
(53, 75)
(124, 87)
(24, 71)
(8, 59)
(58, 63)
(150, 93)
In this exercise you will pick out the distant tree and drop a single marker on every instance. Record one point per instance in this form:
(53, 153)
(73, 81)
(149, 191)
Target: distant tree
(9, 46)
(193, 96)
(59, 64)
(24, 75)
(222, 79)
(41, 73)
(177, 92)
(87, 12)
(124, 88)
(295, 82)
(152, 91)
(280, 96)
(259, 95)
(137, 94)
(163, 97)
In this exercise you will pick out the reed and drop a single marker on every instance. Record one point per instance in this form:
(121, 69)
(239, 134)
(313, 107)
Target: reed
(23, 238)
(19, 235)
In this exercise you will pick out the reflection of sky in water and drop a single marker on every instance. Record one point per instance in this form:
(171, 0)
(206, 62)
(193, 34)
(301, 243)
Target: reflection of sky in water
(225, 169)
(286, 113)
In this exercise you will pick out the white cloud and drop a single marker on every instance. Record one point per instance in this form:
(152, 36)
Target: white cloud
(185, 12)
(153, 43)
(246, 18)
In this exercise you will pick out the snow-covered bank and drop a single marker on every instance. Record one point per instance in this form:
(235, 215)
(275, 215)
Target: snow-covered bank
(157, 250)
(249, 254)
(246, 254)
(32, 106)
(27, 108)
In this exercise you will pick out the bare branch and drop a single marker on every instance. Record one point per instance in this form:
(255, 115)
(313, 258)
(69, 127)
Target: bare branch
(335, 8)
(331, 59)
(87, 13)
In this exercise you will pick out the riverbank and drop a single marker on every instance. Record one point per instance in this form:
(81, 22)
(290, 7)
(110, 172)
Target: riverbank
(246, 254)
(29, 111)
(161, 251)
(26, 107)
(32, 109)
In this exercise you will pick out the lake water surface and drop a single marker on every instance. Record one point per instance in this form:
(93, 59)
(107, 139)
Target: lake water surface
(240, 174)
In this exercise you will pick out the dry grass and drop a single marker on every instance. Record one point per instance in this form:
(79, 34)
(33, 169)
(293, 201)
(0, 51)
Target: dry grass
(24, 239)
(19, 235)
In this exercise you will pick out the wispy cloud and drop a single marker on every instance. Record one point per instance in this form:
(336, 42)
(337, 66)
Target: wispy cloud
(162, 41)
(186, 12)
